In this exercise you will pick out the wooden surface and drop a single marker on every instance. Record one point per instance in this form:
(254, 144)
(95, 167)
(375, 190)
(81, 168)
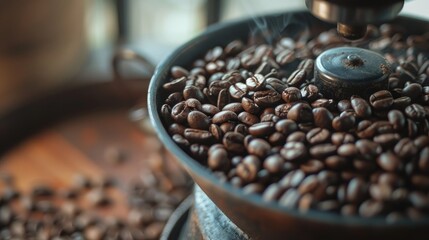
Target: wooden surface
(81, 145)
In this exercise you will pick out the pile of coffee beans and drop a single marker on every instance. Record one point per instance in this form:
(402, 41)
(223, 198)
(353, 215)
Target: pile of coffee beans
(83, 211)
(252, 114)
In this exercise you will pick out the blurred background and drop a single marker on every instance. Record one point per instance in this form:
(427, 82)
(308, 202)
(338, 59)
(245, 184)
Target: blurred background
(53, 43)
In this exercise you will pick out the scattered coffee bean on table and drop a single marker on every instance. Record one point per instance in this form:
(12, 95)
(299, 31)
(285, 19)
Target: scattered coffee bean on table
(252, 113)
(82, 211)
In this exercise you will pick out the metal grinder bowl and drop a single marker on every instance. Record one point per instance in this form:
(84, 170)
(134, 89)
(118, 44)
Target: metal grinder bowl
(259, 219)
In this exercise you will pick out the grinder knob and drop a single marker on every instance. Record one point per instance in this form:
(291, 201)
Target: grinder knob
(346, 71)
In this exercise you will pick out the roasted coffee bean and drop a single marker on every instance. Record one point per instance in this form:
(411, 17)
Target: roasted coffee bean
(294, 151)
(198, 120)
(397, 119)
(348, 150)
(387, 139)
(216, 131)
(248, 118)
(308, 66)
(323, 150)
(381, 100)
(339, 138)
(198, 135)
(368, 149)
(180, 111)
(255, 82)
(250, 106)
(224, 116)
(317, 135)
(258, 147)
(297, 78)
(193, 92)
(297, 136)
(273, 192)
(401, 102)
(310, 92)
(176, 85)
(300, 113)
(370, 208)
(218, 160)
(361, 107)
(262, 129)
(180, 140)
(389, 162)
(227, 127)
(284, 57)
(286, 126)
(344, 105)
(312, 166)
(343, 123)
(424, 160)
(234, 142)
(336, 162)
(413, 91)
(322, 117)
(238, 90)
(291, 94)
(266, 98)
(274, 163)
(233, 107)
(405, 148)
(415, 111)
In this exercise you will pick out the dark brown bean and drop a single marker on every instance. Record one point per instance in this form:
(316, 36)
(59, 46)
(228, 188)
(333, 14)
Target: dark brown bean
(381, 100)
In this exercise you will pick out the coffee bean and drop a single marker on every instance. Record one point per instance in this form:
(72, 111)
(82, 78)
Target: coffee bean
(339, 138)
(415, 111)
(218, 160)
(176, 85)
(249, 106)
(266, 98)
(405, 148)
(297, 136)
(344, 105)
(294, 151)
(234, 142)
(297, 78)
(300, 113)
(381, 100)
(310, 92)
(285, 57)
(343, 123)
(274, 163)
(248, 118)
(233, 107)
(368, 149)
(323, 150)
(198, 135)
(348, 150)
(322, 117)
(224, 116)
(262, 129)
(291, 94)
(258, 147)
(389, 162)
(370, 208)
(273, 192)
(312, 166)
(255, 82)
(387, 139)
(238, 90)
(356, 190)
(336, 162)
(361, 107)
(318, 135)
(397, 119)
(401, 102)
(198, 120)
(413, 91)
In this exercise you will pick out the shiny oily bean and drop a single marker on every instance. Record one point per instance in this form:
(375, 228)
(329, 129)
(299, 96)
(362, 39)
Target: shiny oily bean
(238, 90)
(322, 117)
(209, 109)
(266, 98)
(387, 139)
(361, 107)
(294, 151)
(389, 162)
(297, 78)
(218, 160)
(381, 100)
(234, 142)
(274, 163)
(273, 192)
(343, 123)
(286, 126)
(396, 118)
(424, 160)
(249, 106)
(255, 82)
(348, 150)
(323, 150)
(291, 94)
(234, 107)
(301, 113)
(198, 136)
(415, 111)
(312, 166)
(405, 148)
(248, 118)
(262, 129)
(258, 147)
(176, 85)
(224, 116)
(317, 135)
(339, 138)
(198, 120)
